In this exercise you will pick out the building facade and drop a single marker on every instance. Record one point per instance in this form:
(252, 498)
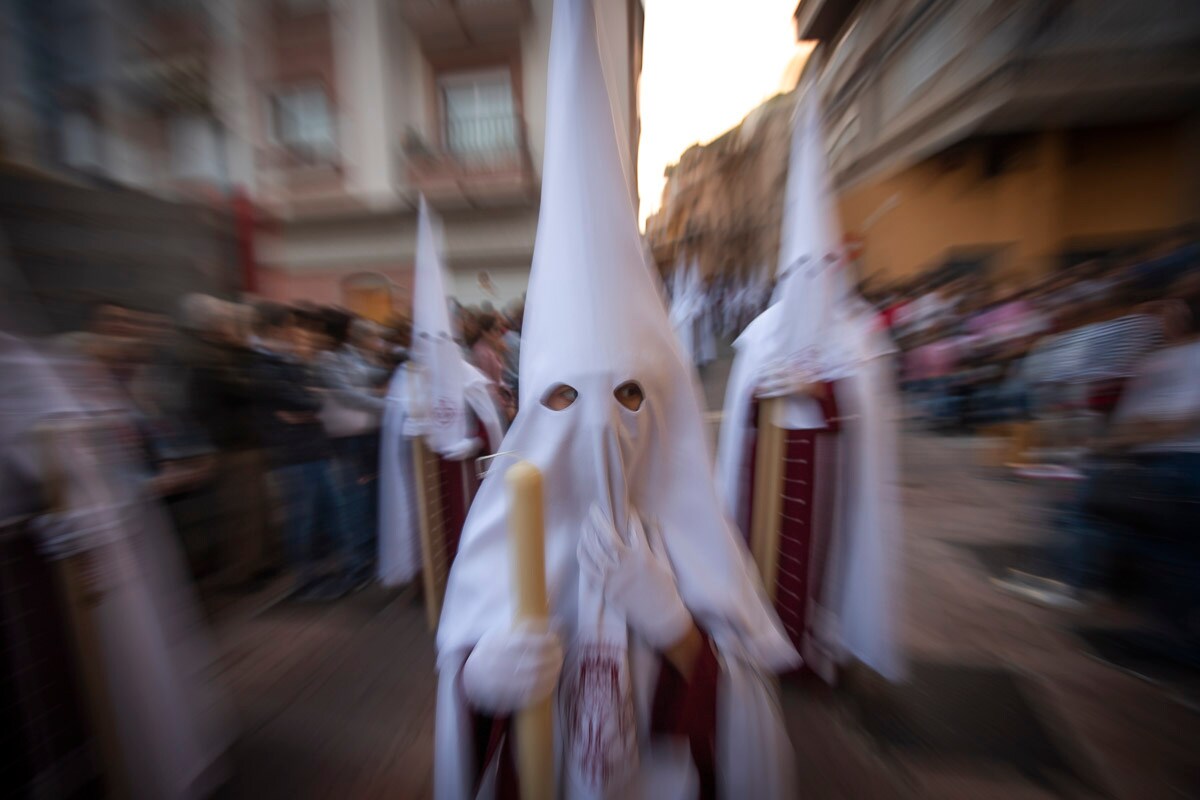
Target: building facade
(723, 201)
(318, 123)
(1007, 137)
(1004, 137)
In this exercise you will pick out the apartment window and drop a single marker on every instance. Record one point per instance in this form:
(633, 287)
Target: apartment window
(302, 121)
(194, 149)
(479, 114)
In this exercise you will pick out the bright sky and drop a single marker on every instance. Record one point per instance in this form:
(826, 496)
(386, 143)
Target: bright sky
(705, 65)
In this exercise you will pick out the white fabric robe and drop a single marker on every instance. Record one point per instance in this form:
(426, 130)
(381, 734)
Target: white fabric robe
(753, 755)
(864, 590)
(399, 538)
(173, 720)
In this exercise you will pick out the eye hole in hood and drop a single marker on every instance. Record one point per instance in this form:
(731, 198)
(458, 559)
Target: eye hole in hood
(559, 397)
(630, 395)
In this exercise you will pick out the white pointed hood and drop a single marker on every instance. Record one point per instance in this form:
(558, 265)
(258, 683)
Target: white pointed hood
(595, 321)
(800, 328)
(438, 408)
(809, 279)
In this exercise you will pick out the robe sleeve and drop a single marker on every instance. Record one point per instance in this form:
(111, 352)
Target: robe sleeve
(688, 708)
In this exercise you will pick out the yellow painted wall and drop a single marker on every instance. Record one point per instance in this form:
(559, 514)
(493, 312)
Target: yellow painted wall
(1057, 190)
(1126, 182)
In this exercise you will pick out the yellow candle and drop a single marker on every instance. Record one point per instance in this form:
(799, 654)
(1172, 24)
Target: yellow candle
(527, 547)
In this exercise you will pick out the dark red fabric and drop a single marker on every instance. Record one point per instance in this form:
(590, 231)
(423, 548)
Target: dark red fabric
(493, 738)
(746, 484)
(244, 228)
(682, 708)
(1103, 396)
(829, 405)
(459, 485)
(796, 533)
(689, 708)
(806, 514)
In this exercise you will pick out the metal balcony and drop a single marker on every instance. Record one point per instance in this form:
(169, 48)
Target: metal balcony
(483, 162)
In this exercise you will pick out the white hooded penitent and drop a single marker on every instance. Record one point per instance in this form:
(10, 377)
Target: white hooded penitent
(66, 460)
(429, 397)
(596, 333)
(818, 330)
(682, 313)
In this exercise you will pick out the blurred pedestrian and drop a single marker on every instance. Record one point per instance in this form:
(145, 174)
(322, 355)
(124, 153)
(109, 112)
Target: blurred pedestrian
(299, 451)
(1140, 494)
(487, 353)
(223, 396)
(514, 317)
(352, 412)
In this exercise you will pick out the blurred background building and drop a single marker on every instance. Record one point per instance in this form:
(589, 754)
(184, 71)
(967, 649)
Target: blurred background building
(722, 203)
(1001, 138)
(303, 129)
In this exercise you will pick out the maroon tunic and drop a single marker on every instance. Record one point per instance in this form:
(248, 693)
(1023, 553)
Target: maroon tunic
(810, 481)
(681, 708)
(459, 484)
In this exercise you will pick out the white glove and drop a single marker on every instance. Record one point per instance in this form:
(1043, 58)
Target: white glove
(637, 579)
(511, 669)
(463, 449)
(782, 380)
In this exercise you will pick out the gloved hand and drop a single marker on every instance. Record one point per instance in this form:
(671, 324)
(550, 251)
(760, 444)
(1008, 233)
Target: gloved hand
(463, 449)
(637, 578)
(780, 380)
(511, 669)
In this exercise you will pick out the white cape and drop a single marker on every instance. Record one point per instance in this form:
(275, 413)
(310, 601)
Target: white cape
(399, 537)
(866, 559)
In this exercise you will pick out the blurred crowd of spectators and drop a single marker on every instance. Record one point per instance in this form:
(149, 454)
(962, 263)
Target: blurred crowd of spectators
(968, 345)
(1095, 373)
(259, 425)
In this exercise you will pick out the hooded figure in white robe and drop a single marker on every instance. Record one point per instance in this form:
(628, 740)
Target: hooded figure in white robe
(438, 396)
(656, 610)
(692, 316)
(818, 347)
(67, 461)
(683, 310)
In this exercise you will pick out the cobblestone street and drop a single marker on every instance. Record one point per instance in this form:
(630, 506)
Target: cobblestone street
(1003, 699)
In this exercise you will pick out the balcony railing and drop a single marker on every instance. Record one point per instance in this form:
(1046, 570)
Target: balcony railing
(484, 162)
(485, 140)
